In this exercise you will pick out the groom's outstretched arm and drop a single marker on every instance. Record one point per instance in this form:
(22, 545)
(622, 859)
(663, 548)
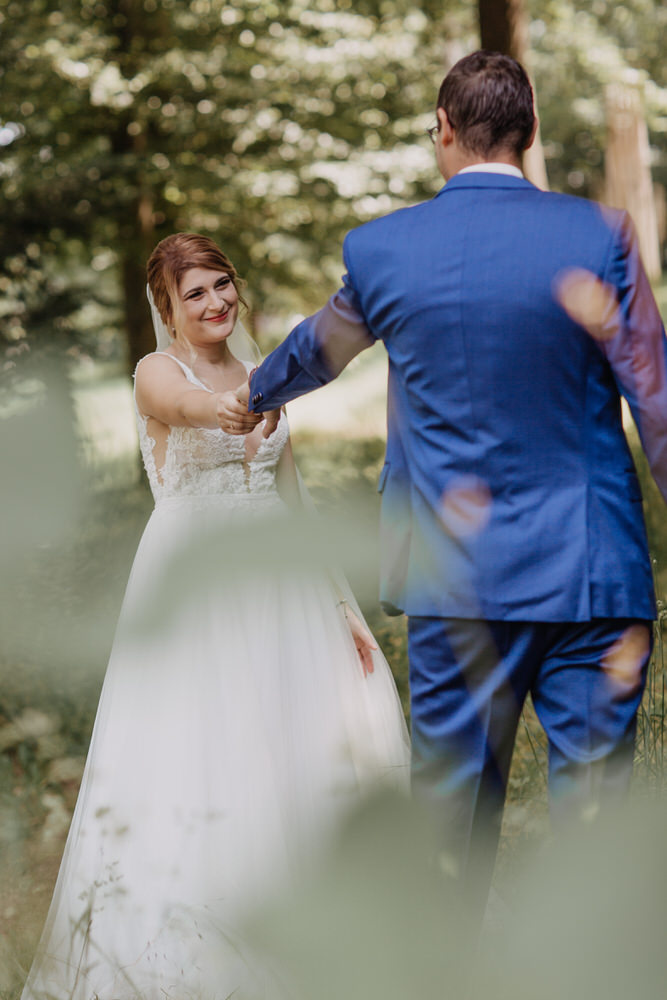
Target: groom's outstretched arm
(314, 353)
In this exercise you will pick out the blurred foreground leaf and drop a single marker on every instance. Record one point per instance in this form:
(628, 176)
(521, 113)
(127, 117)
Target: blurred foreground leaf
(377, 922)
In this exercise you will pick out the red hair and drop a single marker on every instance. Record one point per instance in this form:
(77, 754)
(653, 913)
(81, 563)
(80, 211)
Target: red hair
(175, 255)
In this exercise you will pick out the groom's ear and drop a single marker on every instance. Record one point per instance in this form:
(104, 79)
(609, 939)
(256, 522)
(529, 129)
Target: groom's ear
(446, 132)
(536, 125)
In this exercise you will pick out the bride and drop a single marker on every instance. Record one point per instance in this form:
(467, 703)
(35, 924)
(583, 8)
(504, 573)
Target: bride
(245, 704)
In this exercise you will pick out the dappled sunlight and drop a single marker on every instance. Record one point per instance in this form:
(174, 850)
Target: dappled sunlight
(465, 507)
(589, 301)
(625, 660)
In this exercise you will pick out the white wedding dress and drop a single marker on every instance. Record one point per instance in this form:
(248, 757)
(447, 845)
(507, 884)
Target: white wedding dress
(234, 728)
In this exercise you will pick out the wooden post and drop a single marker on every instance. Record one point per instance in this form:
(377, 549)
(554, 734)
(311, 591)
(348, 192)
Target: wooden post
(628, 183)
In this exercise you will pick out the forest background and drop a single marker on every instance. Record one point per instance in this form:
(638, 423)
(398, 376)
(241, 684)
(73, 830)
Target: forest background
(274, 128)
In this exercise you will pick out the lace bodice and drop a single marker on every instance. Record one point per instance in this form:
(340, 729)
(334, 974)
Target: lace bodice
(203, 462)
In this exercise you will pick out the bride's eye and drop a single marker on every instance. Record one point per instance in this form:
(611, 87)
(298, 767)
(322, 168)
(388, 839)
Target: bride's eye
(222, 282)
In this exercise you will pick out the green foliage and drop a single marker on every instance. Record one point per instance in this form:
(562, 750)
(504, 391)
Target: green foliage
(577, 48)
(273, 128)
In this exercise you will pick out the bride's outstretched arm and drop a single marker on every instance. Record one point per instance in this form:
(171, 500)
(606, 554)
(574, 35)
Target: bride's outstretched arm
(163, 392)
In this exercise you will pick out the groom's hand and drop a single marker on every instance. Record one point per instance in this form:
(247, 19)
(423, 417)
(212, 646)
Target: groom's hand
(270, 418)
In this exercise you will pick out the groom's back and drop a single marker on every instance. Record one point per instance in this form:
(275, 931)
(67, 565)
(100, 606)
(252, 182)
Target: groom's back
(493, 382)
(463, 291)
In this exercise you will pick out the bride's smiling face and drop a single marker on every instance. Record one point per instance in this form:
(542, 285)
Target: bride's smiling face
(207, 307)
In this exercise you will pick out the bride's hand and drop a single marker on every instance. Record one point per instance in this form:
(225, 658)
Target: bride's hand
(363, 639)
(271, 418)
(232, 415)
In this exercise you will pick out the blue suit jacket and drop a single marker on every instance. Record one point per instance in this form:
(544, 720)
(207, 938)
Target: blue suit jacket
(509, 491)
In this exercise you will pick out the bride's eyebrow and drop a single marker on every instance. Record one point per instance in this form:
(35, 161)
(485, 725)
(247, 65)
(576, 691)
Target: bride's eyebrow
(200, 288)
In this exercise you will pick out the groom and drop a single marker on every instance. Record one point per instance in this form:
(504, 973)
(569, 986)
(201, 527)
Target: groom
(513, 535)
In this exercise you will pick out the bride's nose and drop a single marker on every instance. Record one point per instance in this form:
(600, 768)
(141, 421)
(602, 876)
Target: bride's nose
(215, 299)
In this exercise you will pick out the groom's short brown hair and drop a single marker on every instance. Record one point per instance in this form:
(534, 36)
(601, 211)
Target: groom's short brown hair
(489, 103)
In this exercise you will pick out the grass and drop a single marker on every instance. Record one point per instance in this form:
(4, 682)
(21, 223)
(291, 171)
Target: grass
(58, 625)
(650, 776)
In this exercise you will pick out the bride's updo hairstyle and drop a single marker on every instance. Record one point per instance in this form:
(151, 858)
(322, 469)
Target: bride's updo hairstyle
(175, 255)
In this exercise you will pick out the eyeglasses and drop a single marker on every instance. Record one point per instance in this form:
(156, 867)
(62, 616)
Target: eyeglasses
(432, 132)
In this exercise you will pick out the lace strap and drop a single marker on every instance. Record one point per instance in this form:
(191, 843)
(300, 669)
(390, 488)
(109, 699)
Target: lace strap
(190, 375)
(188, 372)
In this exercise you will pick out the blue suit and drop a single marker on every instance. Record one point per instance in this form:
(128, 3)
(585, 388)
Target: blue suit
(511, 512)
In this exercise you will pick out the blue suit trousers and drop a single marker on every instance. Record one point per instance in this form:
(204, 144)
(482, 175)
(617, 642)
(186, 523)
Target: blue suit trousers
(468, 683)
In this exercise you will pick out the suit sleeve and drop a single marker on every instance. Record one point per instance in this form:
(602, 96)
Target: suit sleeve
(314, 353)
(637, 350)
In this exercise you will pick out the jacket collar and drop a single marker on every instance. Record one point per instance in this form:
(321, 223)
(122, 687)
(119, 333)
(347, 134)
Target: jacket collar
(481, 179)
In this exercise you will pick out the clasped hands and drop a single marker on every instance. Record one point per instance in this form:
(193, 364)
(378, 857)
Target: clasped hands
(233, 415)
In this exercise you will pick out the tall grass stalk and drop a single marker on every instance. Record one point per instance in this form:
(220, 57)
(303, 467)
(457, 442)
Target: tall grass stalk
(650, 745)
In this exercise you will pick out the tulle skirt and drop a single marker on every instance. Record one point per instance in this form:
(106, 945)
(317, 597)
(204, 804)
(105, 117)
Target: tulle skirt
(235, 729)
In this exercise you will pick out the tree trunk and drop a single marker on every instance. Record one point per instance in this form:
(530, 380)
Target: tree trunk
(628, 171)
(150, 29)
(138, 246)
(138, 323)
(503, 27)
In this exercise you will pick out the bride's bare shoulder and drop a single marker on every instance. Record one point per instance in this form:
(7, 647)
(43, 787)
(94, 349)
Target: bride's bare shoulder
(155, 377)
(158, 365)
